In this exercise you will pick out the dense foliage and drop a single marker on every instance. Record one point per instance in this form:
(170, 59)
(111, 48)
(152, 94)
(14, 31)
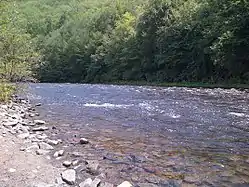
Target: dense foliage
(127, 40)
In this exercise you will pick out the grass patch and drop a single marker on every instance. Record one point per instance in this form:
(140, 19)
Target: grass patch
(6, 91)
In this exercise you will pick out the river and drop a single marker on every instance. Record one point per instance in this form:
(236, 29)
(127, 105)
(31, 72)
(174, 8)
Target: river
(153, 134)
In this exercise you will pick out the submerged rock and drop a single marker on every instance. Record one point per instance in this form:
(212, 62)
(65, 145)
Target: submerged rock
(69, 176)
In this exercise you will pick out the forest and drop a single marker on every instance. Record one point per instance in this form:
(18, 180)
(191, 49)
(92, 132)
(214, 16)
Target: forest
(92, 41)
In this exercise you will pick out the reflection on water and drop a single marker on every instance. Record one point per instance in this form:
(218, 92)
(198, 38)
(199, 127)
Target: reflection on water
(153, 134)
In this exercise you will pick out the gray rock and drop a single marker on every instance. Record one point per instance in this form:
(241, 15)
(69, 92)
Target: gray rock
(38, 104)
(69, 176)
(74, 163)
(42, 152)
(59, 153)
(125, 184)
(95, 182)
(31, 148)
(146, 185)
(106, 184)
(39, 122)
(92, 167)
(86, 183)
(191, 179)
(23, 136)
(10, 123)
(67, 163)
(31, 115)
(84, 141)
(77, 154)
(59, 181)
(41, 128)
(45, 146)
(41, 136)
(52, 142)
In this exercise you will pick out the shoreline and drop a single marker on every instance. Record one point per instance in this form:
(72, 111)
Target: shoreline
(27, 136)
(165, 84)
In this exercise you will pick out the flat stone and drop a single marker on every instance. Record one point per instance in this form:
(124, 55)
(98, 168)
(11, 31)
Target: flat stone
(125, 184)
(84, 141)
(146, 185)
(39, 122)
(86, 183)
(69, 176)
(23, 135)
(77, 154)
(10, 123)
(95, 182)
(106, 184)
(45, 146)
(52, 142)
(41, 128)
(42, 152)
(32, 148)
(67, 163)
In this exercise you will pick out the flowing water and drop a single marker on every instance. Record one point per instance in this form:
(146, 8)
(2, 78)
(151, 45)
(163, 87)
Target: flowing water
(152, 134)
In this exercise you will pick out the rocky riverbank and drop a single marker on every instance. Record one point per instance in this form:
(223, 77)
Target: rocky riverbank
(29, 149)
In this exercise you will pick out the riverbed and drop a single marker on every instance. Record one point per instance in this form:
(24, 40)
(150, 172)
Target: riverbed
(154, 134)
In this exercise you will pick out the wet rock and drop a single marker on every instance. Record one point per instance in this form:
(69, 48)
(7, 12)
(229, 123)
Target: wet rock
(125, 184)
(42, 152)
(31, 115)
(38, 104)
(106, 184)
(69, 176)
(67, 163)
(92, 167)
(39, 122)
(41, 128)
(45, 146)
(23, 136)
(86, 183)
(84, 141)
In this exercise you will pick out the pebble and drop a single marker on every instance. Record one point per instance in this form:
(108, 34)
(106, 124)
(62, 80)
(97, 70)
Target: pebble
(42, 152)
(59, 153)
(69, 176)
(86, 183)
(106, 184)
(12, 170)
(125, 184)
(41, 128)
(84, 141)
(52, 142)
(67, 163)
(45, 146)
(39, 122)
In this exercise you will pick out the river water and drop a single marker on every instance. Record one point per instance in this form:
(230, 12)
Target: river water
(153, 134)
